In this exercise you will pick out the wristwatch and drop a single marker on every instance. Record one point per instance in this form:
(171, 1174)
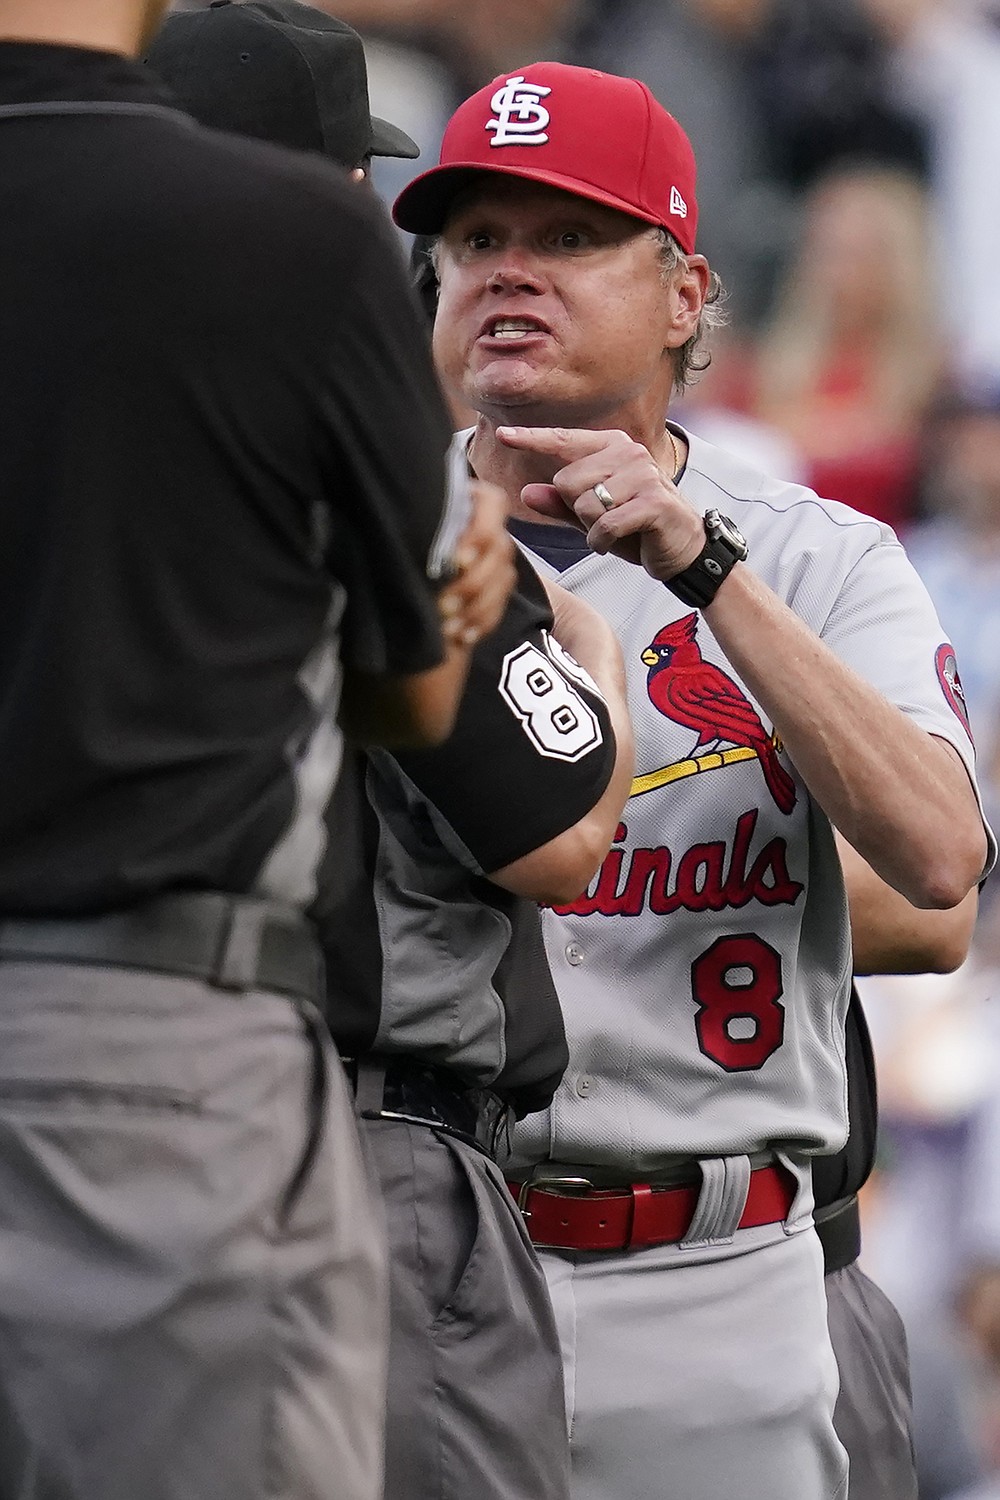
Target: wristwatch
(725, 546)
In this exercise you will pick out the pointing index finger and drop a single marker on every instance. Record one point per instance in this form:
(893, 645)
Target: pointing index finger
(566, 443)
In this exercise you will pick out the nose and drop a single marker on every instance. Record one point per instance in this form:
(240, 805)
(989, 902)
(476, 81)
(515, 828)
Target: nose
(515, 271)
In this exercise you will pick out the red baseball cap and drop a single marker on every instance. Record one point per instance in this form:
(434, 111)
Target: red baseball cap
(594, 134)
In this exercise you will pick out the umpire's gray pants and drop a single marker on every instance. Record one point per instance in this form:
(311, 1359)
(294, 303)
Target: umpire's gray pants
(191, 1272)
(476, 1409)
(873, 1415)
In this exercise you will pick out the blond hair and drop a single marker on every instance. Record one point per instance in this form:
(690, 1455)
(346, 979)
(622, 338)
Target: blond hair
(897, 328)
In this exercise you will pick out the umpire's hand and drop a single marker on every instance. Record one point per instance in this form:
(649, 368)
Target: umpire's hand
(476, 597)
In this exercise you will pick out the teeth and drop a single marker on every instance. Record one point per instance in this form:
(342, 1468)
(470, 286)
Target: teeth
(512, 328)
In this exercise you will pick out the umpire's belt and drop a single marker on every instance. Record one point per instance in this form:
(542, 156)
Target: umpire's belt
(232, 942)
(839, 1228)
(567, 1213)
(415, 1093)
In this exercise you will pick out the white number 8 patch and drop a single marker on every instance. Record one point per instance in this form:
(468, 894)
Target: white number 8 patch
(554, 716)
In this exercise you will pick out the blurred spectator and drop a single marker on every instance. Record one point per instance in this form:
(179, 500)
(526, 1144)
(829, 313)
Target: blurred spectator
(947, 65)
(824, 80)
(851, 357)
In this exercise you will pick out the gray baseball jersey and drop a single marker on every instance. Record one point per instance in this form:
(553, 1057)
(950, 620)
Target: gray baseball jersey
(705, 974)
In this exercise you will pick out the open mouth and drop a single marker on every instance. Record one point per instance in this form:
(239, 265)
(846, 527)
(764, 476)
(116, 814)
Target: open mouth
(511, 330)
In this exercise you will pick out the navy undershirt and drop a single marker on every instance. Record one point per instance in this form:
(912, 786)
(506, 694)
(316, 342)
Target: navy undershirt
(560, 546)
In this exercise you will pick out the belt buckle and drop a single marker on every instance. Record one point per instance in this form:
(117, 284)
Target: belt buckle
(584, 1184)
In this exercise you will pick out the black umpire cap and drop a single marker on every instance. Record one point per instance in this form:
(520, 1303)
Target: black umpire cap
(280, 71)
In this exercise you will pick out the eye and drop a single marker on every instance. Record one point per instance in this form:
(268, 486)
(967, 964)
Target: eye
(573, 239)
(479, 239)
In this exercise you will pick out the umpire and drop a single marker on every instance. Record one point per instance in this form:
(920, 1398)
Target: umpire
(438, 988)
(204, 536)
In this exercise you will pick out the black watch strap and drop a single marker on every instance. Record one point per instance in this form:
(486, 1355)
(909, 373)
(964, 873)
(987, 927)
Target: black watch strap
(724, 547)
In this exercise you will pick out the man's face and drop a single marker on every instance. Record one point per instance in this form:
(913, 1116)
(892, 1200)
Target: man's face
(554, 309)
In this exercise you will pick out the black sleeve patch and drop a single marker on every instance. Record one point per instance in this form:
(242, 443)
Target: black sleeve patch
(547, 702)
(532, 749)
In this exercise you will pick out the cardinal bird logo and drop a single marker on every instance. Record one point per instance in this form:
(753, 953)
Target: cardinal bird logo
(699, 695)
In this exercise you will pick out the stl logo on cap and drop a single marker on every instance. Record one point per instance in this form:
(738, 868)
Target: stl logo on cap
(520, 118)
(602, 137)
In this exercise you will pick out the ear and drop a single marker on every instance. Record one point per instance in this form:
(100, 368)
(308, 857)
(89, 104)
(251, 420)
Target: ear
(687, 290)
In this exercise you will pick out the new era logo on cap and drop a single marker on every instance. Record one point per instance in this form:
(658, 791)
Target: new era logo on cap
(595, 134)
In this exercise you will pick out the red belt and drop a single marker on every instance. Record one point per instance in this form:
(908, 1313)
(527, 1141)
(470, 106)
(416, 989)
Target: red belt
(635, 1217)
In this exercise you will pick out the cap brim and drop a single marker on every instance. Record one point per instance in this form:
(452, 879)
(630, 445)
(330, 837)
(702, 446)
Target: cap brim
(422, 207)
(389, 140)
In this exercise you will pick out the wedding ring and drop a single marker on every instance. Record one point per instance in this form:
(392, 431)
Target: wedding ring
(604, 495)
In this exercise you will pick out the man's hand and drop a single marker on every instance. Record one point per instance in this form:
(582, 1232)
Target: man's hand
(901, 797)
(650, 523)
(419, 710)
(473, 602)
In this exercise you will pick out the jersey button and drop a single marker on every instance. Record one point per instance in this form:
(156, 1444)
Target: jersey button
(583, 1085)
(574, 954)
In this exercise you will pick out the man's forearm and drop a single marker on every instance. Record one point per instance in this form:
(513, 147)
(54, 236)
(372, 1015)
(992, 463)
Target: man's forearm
(902, 798)
(889, 936)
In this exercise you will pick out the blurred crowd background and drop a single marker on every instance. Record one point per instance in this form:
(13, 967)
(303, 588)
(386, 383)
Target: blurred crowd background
(849, 171)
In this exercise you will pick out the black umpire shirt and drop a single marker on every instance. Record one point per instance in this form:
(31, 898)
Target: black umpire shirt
(221, 469)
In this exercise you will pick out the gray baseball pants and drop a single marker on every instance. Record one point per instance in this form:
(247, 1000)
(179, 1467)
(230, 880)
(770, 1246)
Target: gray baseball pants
(475, 1409)
(874, 1415)
(191, 1265)
(700, 1373)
